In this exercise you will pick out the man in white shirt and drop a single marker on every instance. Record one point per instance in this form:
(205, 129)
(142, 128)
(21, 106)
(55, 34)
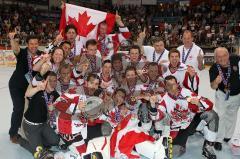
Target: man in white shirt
(156, 53)
(190, 53)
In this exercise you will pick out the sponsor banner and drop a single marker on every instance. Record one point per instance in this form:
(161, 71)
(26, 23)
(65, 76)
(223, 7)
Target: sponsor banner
(209, 58)
(1, 58)
(7, 58)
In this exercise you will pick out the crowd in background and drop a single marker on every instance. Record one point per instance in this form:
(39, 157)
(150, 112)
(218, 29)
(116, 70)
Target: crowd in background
(144, 93)
(212, 25)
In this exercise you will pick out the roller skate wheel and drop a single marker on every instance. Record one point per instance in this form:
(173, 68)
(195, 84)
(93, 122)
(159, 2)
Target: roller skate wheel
(36, 154)
(39, 148)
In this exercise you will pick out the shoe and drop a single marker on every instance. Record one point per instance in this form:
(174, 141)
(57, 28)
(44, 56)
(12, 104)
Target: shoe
(43, 153)
(218, 146)
(226, 139)
(208, 150)
(15, 138)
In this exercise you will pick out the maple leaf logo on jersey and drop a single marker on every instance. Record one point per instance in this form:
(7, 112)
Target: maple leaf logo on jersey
(82, 25)
(179, 114)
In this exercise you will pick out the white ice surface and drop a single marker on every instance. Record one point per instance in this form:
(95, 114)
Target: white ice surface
(13, 151)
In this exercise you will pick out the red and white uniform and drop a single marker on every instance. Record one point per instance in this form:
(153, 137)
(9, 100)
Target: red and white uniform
(180, 111)
(183, 78)
(191, 59)
(78, 47)
(69, 122)
(95, 63)
(125, 136)
(108, 85)
(111, 42)
(155, 87)
(78, 78)
(114, 117)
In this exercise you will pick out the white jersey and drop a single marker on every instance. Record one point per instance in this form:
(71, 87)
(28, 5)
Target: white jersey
(180, 111)
(111, 42)
(182, 77)
(78, 47)
(107, 85)
(68, 118)
(152, 56)
(190, 59)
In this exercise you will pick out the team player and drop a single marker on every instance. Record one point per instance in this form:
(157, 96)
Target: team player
(186, 110)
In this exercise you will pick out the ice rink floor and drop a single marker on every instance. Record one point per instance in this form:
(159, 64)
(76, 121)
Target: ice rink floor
(13, 151)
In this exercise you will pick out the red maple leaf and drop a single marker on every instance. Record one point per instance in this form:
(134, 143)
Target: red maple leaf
(82, 25)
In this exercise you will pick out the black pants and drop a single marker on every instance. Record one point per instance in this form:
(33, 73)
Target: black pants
(93, 132)
(17, 95)
(210, 117)
(38, 135)
(183, 134)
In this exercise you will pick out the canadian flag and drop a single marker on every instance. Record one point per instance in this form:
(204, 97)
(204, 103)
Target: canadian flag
(125, 136)
(86, 20)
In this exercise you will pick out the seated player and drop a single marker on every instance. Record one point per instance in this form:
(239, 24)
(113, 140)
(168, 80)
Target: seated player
(187, 112)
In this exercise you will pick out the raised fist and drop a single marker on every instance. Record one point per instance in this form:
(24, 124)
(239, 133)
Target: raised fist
(142, 34)
(59, 38)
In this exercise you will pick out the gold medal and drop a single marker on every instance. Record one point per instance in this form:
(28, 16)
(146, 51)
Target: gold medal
(144, 70)
(133, 99)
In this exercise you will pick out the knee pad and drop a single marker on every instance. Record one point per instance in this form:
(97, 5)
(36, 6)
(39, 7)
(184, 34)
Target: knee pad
(209, 115)
(212, 119)
(209, 135)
